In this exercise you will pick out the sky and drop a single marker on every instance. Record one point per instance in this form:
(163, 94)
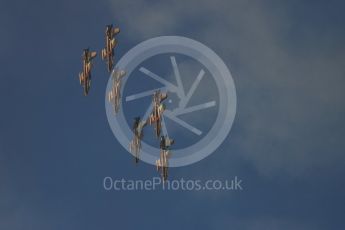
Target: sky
(286, 142)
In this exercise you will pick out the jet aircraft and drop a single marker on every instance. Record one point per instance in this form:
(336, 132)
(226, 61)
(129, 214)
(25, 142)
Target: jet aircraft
(157, 111)
(110, 44)
(85, 75)
(162, 163)
(135, 144)
(114, 95)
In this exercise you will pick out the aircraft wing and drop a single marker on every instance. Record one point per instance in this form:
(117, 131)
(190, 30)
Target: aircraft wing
(142, 124)
(113, 43)
(169, 142)
(116, 30)
(93, 54)
(163, 96)
(118, 74)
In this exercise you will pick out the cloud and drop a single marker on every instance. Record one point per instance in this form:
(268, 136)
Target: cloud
(288, 76)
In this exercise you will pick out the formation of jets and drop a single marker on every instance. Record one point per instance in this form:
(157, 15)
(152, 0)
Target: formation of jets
(107, 53)
(155, 119)
(114, 97)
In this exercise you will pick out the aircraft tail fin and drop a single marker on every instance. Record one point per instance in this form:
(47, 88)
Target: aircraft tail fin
(93, 54)
(116, 30)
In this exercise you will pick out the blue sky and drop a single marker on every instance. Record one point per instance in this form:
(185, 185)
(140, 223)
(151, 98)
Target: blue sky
(287, 61)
